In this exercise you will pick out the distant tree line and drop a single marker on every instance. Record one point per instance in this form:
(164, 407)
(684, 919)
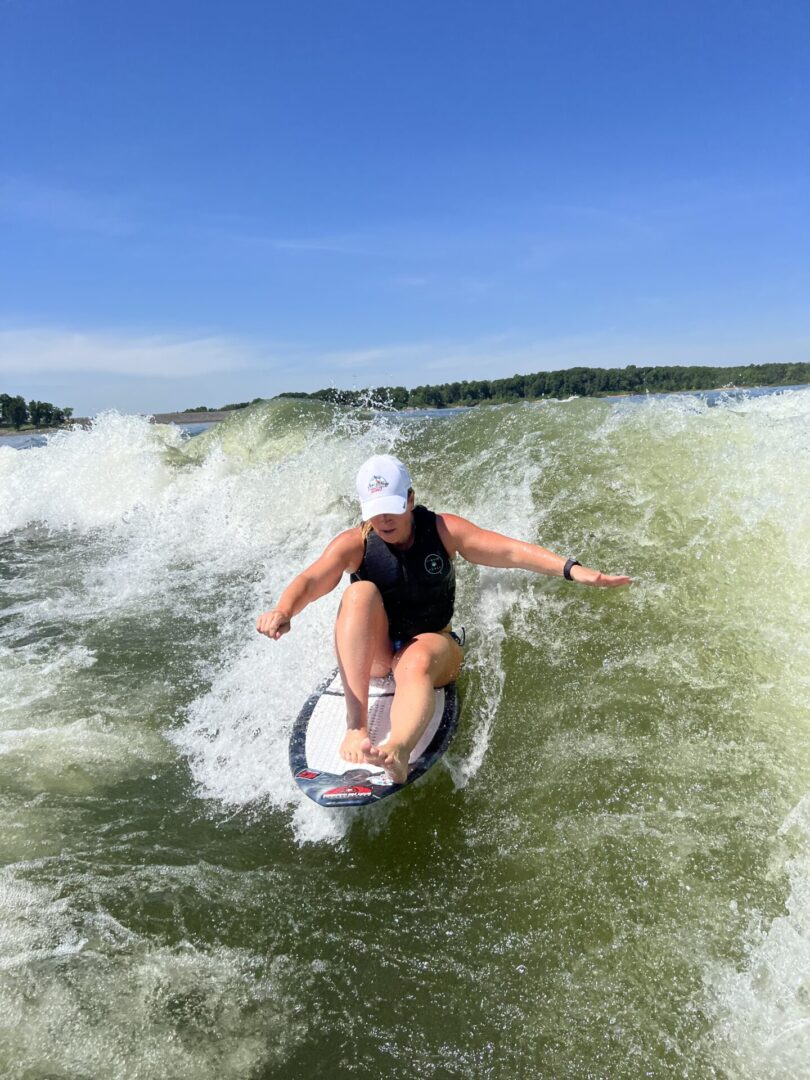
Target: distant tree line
(579, 381)
(226, 408)
(16, 412)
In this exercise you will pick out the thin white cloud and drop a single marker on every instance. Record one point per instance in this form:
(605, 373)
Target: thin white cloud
(331, 244)
(414, 281)
(256, 236)
(63, 208)
(503, 355)
(264, 368)
(446, 284)
(30, 352)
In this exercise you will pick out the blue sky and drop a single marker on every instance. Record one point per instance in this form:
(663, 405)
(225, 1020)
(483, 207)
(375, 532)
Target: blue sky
(210, 202)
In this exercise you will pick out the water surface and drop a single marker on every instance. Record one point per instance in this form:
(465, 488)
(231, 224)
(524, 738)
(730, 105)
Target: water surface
(609, 875)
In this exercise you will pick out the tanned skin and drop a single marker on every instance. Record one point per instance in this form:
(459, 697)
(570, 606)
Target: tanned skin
(426, 661)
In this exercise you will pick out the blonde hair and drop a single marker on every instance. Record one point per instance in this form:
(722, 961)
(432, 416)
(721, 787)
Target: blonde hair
(366, 527)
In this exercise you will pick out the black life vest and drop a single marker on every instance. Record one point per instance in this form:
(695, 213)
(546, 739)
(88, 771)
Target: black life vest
(418, 586)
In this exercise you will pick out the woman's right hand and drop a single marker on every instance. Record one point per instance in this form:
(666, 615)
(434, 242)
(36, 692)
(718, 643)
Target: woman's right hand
(273, 623)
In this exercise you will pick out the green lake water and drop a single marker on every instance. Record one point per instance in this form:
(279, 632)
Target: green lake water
(608, 876)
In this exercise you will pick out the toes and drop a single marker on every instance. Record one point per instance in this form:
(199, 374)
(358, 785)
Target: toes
(373, 754)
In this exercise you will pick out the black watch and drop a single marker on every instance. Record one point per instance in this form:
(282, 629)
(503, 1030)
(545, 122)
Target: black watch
(569, 567)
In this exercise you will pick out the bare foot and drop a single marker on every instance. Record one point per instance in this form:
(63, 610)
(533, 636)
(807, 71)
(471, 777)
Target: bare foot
(351, 748)
(394, 759)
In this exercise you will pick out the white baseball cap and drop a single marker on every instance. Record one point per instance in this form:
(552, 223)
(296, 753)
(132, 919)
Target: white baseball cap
(382, 486)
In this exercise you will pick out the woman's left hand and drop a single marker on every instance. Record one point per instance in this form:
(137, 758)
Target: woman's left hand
(586, 576)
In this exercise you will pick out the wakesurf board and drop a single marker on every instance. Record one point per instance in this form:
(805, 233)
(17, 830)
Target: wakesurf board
(315, 760)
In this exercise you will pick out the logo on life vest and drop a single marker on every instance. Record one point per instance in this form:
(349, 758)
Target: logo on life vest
(434, 564)
(377, 484)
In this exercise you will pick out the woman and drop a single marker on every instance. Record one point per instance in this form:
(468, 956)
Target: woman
(396, 613)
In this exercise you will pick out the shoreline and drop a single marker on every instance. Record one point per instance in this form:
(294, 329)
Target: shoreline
(212, 417)
(216, 416)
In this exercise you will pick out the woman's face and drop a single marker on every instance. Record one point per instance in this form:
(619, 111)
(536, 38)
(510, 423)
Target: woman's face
(395, 528)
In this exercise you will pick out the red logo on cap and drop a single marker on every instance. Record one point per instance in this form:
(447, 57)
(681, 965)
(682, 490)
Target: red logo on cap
(376, 485)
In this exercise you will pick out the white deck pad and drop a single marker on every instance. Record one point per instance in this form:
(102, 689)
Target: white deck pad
(327, 725)
(320, 729)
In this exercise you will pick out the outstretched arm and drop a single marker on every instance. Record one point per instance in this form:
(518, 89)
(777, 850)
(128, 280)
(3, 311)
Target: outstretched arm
(342, 555)
(494, 549)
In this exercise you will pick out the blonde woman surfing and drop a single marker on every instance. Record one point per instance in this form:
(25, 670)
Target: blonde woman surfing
(396, 615)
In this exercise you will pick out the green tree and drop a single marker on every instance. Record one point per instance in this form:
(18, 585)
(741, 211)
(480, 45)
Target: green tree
(14, 410)
(42, 413)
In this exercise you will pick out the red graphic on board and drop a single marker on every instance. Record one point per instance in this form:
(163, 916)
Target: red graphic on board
(346, 792)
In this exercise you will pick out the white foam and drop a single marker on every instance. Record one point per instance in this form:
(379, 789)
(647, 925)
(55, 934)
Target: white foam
(763, 1006)
(82, 995)
(85, 479)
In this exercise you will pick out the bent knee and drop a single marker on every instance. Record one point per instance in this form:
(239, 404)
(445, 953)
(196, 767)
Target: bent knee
(415, 661)
(361, 594)
(421, 660)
